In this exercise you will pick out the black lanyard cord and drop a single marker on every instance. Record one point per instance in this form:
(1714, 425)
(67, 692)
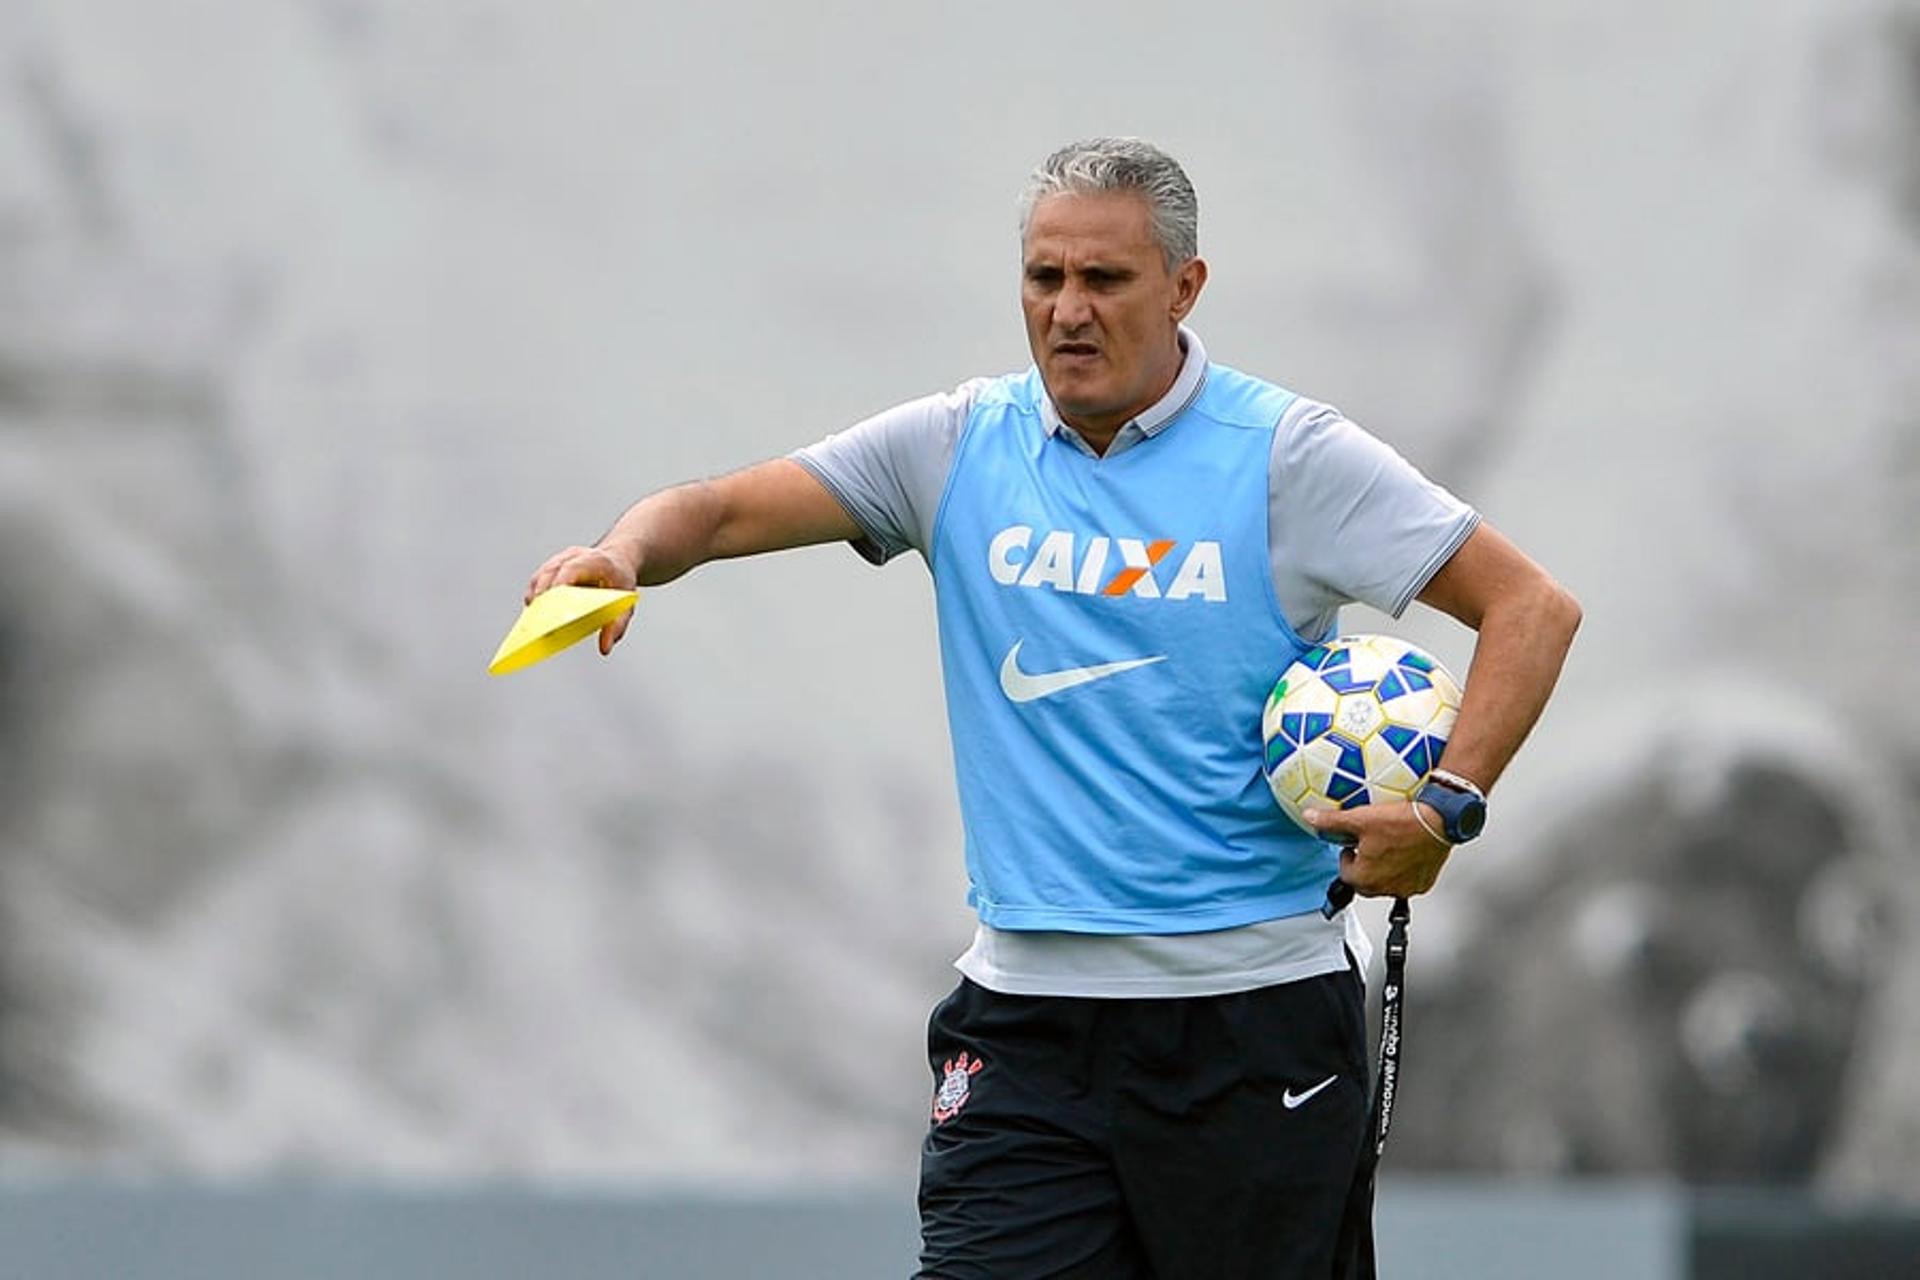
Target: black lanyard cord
(1388, 1077)
(1354, 1256)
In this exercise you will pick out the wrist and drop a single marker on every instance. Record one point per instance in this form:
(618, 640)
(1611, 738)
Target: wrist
(625, 554)
(1458, 802)
(1458, 781)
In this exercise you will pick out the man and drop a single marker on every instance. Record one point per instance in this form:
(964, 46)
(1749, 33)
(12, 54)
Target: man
(1154, 1064)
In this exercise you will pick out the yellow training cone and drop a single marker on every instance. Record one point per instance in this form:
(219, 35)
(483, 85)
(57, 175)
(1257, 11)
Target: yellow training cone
(558, 617)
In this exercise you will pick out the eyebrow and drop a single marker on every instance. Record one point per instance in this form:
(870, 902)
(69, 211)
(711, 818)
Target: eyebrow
(1099, 270)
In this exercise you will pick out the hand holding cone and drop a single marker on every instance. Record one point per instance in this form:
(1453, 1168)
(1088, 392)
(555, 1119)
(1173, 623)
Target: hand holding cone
(556, 619)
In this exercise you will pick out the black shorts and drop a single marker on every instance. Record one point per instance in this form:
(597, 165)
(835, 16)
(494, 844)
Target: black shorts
(1211, 1136)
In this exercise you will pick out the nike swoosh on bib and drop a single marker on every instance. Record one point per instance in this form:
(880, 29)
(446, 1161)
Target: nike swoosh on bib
(1021, 687)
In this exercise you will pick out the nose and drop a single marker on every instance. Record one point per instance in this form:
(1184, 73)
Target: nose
(1072, 310)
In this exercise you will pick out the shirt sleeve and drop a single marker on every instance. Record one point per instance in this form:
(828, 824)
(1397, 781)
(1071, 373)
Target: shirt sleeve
(890, 470)
(1349, 519)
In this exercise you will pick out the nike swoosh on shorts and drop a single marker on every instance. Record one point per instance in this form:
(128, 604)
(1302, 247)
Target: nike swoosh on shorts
(1022, 687)
(1290, 1099)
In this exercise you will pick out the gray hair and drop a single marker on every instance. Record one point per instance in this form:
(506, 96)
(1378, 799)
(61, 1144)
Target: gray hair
(1123, 164)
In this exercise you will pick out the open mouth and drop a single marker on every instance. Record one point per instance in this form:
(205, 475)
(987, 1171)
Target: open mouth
(1076, 350)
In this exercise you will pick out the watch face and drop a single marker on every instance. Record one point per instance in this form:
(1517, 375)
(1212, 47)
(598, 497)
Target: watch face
(1473, 817)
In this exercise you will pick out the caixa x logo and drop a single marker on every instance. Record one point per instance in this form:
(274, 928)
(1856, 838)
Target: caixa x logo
(1106, 566)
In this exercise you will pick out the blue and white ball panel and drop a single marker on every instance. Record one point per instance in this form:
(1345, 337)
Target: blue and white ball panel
(1355, 721)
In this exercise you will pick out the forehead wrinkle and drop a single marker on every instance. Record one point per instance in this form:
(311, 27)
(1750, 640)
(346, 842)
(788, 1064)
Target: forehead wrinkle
(1121, 223)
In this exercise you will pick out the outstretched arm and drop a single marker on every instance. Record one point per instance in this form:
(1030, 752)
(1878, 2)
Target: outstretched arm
(766, 507)
(1526, 622)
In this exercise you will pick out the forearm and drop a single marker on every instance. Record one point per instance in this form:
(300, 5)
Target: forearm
(1523, 641)
(766, 507)
(668, 533)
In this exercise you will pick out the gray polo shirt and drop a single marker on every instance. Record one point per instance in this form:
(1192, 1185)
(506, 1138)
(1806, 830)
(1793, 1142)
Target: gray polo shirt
(1349, 520)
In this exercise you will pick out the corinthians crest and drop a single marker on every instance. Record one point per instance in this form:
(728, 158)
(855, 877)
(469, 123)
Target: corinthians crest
(955, 1086)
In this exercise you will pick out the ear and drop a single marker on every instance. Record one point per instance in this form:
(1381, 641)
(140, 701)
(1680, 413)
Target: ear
(1188, 281)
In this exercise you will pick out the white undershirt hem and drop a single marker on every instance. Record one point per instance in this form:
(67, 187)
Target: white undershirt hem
(1168, 966)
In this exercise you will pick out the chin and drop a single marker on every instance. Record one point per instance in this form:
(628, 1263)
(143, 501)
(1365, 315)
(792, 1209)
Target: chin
(1078, 400)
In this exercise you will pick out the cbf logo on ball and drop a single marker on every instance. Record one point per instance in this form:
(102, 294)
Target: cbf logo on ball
(1102, 565)
(1354, 721)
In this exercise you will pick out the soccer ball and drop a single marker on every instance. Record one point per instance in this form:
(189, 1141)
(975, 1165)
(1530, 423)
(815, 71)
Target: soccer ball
(1357, 720)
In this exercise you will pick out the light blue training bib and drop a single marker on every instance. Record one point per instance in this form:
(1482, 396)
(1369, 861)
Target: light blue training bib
(1109, 634)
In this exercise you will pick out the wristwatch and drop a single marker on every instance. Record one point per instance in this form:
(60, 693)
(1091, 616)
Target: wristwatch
(1461, 805)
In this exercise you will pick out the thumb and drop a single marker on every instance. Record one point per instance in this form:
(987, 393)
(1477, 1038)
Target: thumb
(580, 573)
(1333, 824)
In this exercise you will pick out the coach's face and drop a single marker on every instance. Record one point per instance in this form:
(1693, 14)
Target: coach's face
(1103, 311)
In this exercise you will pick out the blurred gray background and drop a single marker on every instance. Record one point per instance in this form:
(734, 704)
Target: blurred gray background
(322, 322)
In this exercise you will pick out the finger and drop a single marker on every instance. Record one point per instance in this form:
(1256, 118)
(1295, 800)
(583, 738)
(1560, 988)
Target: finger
(1361, 874)
(1359, 871)
(1333, 825)
(611, 633)
(1401, 885)
(1371, 874)
(582, 571)
(1348, 857)
(543, 576)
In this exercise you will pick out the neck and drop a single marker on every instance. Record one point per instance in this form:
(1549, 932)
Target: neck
(1097, 438)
